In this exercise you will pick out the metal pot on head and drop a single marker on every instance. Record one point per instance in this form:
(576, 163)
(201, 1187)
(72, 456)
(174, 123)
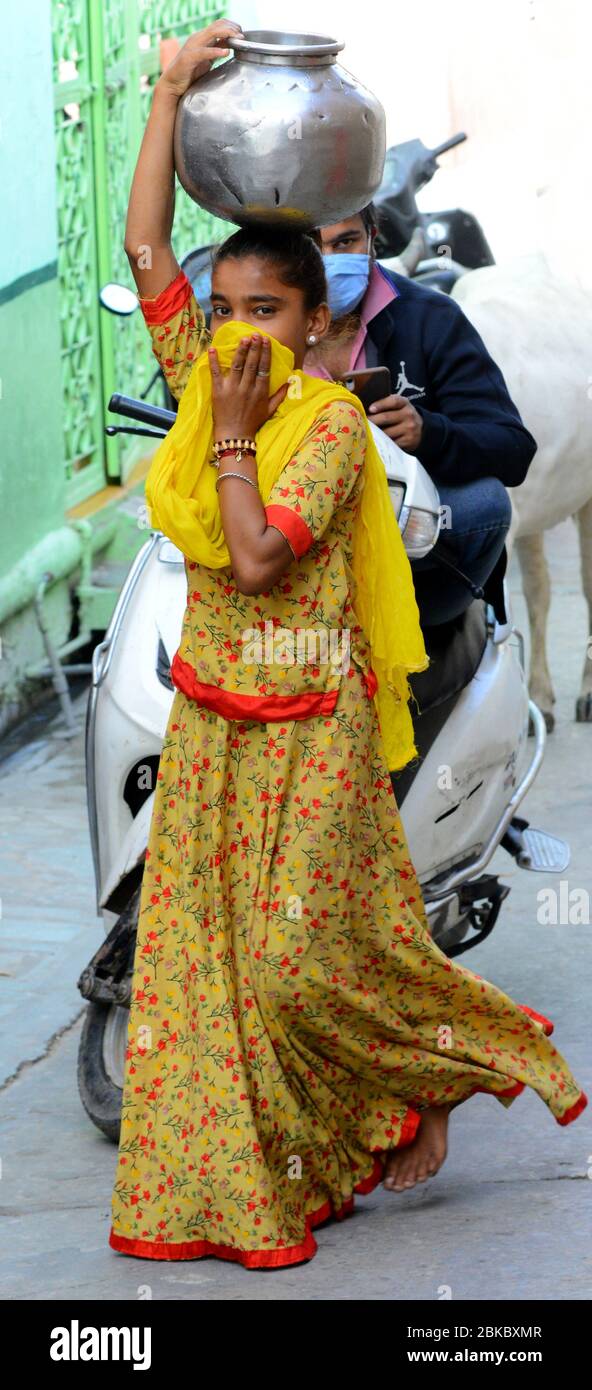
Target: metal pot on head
(280, 134)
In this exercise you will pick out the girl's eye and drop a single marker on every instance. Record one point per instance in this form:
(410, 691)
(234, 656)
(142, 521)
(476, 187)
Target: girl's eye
(220, 309)
(265, 309)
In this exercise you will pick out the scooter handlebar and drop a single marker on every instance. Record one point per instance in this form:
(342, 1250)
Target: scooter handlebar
(449, 144)
(140, 410)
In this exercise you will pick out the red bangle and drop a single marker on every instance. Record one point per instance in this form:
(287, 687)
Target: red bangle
(238, 449)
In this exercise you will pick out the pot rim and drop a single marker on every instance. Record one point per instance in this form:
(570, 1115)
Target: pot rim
(303, 45)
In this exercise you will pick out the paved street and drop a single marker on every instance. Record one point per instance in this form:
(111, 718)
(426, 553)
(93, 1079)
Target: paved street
(508, 1217)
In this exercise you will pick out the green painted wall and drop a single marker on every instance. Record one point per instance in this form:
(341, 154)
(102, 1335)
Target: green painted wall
(37, 413)
(32, 479)
(32, 487)
(27, 156)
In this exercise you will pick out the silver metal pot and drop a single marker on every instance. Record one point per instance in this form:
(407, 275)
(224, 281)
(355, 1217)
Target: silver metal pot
(280, 134)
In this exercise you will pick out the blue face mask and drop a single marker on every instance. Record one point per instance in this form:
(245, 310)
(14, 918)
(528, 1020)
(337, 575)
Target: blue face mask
(347, 275)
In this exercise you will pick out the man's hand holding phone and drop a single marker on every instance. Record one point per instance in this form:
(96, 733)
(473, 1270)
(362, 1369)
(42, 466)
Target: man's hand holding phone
(393, 414)
(399, 419)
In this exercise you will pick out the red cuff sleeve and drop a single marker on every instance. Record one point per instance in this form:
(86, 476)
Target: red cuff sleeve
(292, 527)
(168, 302)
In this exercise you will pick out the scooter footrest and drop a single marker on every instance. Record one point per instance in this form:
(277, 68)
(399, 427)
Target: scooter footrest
(543, 852)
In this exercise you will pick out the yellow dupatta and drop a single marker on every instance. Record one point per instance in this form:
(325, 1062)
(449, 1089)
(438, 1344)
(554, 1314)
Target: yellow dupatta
(183, 503)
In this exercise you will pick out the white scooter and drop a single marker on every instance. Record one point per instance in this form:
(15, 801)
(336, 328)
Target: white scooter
(458, 800)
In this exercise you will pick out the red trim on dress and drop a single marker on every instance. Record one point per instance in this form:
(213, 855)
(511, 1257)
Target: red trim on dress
(267, 1259)
(196, 1249)
(515, 1090)
(292, 526)
(371, 683)
(574, 1110)
(168, 302)
(233, 705)
(565, 1119)
(548, 1027)
(295, 1254)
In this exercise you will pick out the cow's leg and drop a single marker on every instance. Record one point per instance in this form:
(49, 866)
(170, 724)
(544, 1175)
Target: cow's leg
(537, 592)
(584, 700)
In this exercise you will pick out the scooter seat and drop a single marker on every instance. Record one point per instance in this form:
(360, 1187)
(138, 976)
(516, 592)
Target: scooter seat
(455, 650)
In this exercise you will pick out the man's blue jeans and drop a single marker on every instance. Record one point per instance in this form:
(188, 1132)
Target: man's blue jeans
(476, 519)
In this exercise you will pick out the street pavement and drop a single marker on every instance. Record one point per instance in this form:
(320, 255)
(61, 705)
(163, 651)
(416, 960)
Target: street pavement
(507, 1217)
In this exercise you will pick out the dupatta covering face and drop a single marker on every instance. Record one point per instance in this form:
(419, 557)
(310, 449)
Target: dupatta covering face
(183, 503)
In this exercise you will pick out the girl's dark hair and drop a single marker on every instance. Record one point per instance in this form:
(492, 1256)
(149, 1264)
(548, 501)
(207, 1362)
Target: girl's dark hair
(296, 256)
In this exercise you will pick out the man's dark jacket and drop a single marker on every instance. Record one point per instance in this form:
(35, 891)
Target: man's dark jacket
(471, 427)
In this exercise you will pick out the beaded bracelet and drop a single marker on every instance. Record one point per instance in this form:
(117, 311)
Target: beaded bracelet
(220, 444)
(238, 449)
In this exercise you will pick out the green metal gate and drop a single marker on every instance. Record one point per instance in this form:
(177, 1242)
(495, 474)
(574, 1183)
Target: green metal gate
(106, 61)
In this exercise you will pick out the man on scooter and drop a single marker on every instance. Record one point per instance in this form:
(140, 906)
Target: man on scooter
(449, 406)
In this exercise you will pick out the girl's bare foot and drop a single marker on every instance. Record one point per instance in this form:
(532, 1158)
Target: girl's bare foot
(421, 1159)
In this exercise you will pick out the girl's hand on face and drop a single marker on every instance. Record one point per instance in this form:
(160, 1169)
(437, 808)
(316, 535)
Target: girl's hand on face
(197, 55)
(240, 398)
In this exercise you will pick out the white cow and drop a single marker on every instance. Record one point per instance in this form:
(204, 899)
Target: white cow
(538, 328)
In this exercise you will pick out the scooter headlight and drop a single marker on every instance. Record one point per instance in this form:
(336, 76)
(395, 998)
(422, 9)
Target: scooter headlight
(397, 493)
(420, 530)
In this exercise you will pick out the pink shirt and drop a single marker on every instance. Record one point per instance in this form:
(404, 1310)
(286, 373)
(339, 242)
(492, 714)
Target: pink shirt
(380, 292)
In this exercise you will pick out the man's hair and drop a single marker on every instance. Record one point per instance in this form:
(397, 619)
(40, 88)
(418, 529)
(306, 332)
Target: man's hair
(371, 218)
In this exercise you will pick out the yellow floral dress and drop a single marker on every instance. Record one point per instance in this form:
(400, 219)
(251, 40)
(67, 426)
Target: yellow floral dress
(291, 1016)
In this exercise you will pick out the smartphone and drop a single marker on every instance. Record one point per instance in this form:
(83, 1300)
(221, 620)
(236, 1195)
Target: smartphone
(370, 385)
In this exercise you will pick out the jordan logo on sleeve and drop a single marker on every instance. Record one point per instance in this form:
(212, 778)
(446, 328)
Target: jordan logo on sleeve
(407, 388)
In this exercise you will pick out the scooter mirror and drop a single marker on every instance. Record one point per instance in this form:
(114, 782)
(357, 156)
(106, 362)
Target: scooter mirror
(118, 299)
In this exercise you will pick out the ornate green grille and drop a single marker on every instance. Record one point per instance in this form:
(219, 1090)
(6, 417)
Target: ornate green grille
(106, 61)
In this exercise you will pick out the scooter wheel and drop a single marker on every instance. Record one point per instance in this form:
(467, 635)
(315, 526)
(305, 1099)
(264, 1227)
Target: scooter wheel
(100, 1065)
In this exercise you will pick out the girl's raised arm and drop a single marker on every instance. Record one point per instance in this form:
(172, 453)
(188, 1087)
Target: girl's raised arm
(152, 197)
